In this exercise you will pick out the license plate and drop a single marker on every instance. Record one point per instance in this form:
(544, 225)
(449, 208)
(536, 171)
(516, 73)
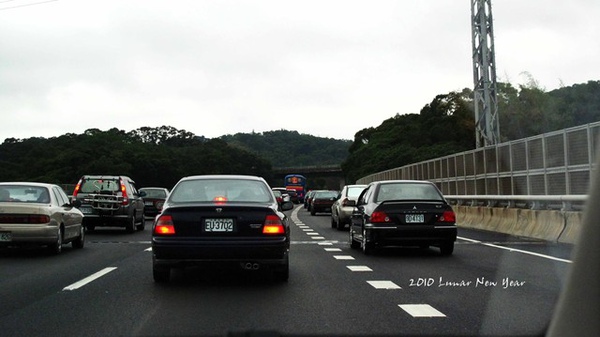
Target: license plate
(414, 218)
(5, 237)
(148, 203)
(218, 225)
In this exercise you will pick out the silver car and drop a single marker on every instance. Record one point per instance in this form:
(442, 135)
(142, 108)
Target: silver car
(342, 208)
(38, 214)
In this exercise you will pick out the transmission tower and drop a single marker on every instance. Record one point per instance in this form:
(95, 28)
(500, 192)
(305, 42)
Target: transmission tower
(484, 74)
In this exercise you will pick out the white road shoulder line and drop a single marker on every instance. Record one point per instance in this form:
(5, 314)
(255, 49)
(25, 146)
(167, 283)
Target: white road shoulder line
(89, 279)
(517, 250)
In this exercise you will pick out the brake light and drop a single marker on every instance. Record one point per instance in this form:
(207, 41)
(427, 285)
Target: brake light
(220, 200)
(273, 225)
(448, 216)
(124, 194)
(164, 225)
(380, 217)
(77, 188)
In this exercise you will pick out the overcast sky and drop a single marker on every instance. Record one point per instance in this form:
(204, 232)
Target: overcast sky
(325, 68)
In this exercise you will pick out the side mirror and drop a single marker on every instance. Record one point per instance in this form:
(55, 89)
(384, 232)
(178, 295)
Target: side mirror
(351, 203)
(286, 206)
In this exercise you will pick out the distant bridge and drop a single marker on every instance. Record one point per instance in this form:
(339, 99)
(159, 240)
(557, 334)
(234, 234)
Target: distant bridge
(317, 177)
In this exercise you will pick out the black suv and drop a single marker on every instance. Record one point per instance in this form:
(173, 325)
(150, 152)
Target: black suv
(111, 201)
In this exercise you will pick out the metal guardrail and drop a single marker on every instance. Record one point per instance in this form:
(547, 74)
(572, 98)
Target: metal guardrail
(556, 164)
(536, 202)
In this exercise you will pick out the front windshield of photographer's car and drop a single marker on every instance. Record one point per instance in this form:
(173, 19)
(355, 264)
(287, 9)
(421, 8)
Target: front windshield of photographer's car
(497, 103)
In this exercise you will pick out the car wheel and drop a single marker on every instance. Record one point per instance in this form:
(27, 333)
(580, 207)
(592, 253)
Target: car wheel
(447, 248)
(282, 274)
(353, 243)
(56, 247)
(130, 226)
(80, 241)
(340, 225)
(161, 275)
(367, 247)
(90, 227)
(312, 211)
(142, 224)
(333, 222)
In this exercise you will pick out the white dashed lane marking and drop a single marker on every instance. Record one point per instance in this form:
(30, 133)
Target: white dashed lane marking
(89, 279)
(384, 285)
(359, 268)
(343, 257)
(333, 249)
(421, 310)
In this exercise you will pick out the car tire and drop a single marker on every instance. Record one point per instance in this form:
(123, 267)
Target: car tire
(367, 247)
(130, 225)
(90, 228)
(333, 222)
(340, 225)
(447, 248)
(142, 224)
(80, 241)
(282, 274)
(161, 275)
(312, 211)
(56, 247)
(353, 244)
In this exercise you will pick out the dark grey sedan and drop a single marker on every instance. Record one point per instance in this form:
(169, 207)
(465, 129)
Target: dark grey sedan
(403, 213)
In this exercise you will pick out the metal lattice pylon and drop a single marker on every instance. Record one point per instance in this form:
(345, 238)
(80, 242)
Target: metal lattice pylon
(484, 74)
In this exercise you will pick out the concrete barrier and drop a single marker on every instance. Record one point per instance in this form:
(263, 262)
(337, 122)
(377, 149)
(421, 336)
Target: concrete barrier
(549, 225)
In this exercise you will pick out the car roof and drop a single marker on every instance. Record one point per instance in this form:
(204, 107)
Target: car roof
(26, 183)
(223, 176)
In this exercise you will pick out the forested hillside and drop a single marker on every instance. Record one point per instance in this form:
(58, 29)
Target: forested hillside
(285, 148)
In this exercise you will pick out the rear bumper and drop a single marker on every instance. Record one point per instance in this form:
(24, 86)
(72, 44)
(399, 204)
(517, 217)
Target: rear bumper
(413, 235)
(172, 252)
(29, 234)
(105, 220)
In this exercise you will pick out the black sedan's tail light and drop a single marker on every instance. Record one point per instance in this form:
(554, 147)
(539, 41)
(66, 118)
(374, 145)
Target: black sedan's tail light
(164, 225)
(273, 225)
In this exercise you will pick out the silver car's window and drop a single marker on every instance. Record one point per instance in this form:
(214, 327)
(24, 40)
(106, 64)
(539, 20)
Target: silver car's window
(22, 193)
(355, 191)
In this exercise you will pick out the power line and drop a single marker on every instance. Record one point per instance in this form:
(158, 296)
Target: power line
(26, 5)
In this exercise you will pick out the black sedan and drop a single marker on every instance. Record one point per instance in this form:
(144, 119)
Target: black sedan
(403, 213)
(225, 220)
(154, 199)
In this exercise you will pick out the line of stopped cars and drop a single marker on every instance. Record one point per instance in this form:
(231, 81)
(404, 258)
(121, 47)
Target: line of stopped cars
(221, 220)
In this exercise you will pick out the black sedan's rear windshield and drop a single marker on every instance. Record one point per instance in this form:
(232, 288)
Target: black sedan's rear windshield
(221, 190)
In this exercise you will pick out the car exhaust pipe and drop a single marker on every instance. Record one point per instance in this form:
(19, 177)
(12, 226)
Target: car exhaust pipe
(250, 266)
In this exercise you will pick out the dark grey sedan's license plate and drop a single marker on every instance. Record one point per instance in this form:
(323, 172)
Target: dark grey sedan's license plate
(5, 236)
(414, 218)
(218, 225)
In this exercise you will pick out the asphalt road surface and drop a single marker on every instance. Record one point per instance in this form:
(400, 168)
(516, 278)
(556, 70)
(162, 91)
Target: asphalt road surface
(493, 284)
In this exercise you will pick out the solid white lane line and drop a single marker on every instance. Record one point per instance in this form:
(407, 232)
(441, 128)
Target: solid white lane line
(89, 279)
(326, 243)
(421, 310)
(148, 249)
(517, 250)
(384, 285)
(359, 268)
